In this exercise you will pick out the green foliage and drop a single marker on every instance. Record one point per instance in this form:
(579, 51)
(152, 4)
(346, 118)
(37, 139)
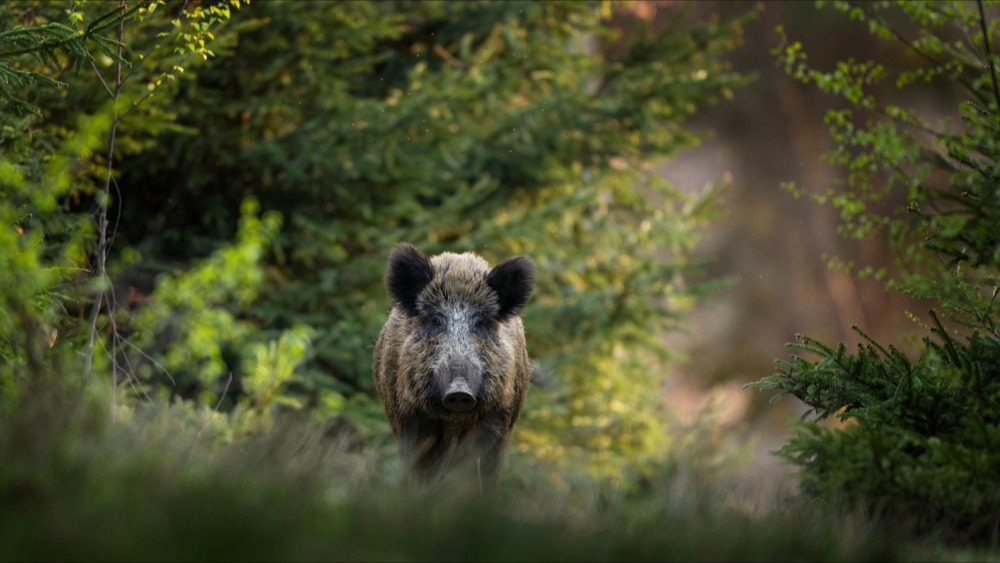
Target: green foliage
(42, 252)
(495, 127)
(187, 328)
(55, 157)
(191, 322)
(919, 439)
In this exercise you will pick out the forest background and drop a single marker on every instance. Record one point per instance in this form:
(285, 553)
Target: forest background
(200, 198)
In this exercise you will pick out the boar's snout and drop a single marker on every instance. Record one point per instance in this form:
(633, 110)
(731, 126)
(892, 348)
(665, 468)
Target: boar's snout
(460, 381)
(459, 396)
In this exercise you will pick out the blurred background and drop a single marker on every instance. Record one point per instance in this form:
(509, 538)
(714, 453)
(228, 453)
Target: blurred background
(777, 245)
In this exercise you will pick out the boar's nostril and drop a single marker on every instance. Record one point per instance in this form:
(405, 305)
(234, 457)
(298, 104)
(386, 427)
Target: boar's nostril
(459, 402)
(459, 397)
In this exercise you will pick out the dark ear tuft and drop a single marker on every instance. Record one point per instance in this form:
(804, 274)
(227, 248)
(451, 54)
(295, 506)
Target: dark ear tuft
(513, 280)
(408, 273)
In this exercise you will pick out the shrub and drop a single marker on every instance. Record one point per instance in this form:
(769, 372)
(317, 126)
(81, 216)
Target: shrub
(919, 438)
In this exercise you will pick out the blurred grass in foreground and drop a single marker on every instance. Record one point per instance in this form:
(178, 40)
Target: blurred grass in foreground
(160, 484)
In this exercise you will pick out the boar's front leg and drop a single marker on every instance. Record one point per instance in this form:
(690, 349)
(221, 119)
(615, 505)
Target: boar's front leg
(489, 439)
(422, 447)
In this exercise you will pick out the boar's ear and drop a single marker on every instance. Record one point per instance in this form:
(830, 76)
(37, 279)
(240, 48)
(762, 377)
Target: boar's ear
(513, 279)
(408, 273)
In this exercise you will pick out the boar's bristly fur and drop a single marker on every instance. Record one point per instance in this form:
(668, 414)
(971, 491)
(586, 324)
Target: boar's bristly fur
(451, 363)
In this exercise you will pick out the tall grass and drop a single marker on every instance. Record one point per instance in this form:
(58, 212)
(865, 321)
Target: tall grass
(161, 484)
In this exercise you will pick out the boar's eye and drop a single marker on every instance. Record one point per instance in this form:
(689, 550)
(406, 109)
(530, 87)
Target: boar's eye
(482, 326)
(435, 325)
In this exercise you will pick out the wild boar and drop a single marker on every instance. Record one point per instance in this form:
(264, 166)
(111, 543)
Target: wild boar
(451, 363)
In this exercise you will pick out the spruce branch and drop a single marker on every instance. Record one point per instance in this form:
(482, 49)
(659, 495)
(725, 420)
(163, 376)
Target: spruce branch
(44, 42)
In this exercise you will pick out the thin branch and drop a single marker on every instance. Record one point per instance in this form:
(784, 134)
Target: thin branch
(216, 409)
(898, 35)
(102, 211)
(133, 381)
(989, 52)
(153, 361)
(127, 368)
(100, 77)
(118, 214)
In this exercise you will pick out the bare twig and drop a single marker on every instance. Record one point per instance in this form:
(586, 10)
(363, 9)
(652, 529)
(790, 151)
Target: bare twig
(151, 360)
(102, 211)
(100, 77)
